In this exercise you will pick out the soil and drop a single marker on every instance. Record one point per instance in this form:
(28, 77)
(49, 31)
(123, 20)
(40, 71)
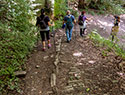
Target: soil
(82, 69)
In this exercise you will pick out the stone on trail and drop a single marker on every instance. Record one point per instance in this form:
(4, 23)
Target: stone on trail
(49, 92)
(40, 92)
(33, 89)
(78, 54)
(74, 69)
(75, 81)
(56, 62)
(91, 61)
(37, 66)
(69, 89)
(77, 64)
(53, 80)
(45, 58)
(52, 56)
(20, 73)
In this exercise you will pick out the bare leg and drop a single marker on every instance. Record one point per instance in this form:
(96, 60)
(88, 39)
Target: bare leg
(44, 44)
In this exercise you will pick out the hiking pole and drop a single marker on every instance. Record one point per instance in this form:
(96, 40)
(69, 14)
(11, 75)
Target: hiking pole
(75, 32)
(53, 35)
(37, 35)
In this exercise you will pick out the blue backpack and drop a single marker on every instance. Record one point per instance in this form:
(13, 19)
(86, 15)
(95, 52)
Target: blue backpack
(69, 22)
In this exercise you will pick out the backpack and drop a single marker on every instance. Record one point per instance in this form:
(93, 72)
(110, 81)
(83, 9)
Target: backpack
(69, 23)
(43, 24)
(81, 22)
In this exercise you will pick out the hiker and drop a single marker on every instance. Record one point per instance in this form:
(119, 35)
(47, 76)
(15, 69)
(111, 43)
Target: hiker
(115, 28)
(82, 23)
(68, 21)
(43, 22)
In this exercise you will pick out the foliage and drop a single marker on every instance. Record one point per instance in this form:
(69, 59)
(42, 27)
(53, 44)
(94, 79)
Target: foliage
(60, 8)
(112, 6)
(100, 41)
(16, 40)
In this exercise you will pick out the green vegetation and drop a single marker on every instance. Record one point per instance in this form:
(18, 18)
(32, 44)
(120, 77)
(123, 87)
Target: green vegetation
(60, 9)
(100, 41)
(102, 6)
(18, 34)
(17, 38)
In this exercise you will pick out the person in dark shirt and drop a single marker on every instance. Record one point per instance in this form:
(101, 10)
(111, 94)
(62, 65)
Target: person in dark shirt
(82, 23)
(43, 19)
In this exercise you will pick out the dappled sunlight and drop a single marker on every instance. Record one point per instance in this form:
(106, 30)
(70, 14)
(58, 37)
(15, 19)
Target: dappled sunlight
(91, 62)
(122, 16)
(78, 54)
(105, 23)
(121, 74)
(78, 63)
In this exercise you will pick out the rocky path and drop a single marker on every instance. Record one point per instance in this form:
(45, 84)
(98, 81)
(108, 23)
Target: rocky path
(75, 68)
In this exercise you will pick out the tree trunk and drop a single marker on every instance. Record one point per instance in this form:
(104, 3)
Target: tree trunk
(81, 4)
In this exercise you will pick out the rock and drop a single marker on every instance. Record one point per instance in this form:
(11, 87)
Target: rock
(53, 80)
(57, 69)
(45, 58)
(115, 81)
(91, 62)
(40, 92)
(37, 66)
(56, 62)
(49, 92)
(20, 73)
(78, 54)
(62, 61)
(52, 56)
(74, 69)
(36, 72)
(69, 89)
(75, 81)
(122, 66)
(33, 89)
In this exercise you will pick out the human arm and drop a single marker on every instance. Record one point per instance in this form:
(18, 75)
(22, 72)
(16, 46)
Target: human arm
(49, 24)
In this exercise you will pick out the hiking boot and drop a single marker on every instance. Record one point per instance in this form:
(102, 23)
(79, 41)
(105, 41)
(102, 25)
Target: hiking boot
(68, 41)
(49, 45)
(43, 49)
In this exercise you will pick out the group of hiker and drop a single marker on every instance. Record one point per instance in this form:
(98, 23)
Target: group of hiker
(43, 21)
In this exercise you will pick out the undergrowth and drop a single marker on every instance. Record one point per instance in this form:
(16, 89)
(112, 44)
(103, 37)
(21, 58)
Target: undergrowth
(111, 46)
(60, 8)
(17, 38)
(103, 6)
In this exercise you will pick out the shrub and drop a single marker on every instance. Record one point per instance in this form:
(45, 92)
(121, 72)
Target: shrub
(100, 41)
(16, 40)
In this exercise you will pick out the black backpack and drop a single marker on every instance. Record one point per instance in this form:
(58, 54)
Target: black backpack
(81, 22)
(43, 24)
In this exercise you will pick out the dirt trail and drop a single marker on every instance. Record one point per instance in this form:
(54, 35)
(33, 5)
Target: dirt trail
(39, 69)
(75, 68)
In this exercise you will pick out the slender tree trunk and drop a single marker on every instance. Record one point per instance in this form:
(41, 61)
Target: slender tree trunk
(48, 7)
(81, 4)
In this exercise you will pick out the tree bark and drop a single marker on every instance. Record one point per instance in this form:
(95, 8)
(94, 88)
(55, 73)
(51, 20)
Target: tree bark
(81, 4)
